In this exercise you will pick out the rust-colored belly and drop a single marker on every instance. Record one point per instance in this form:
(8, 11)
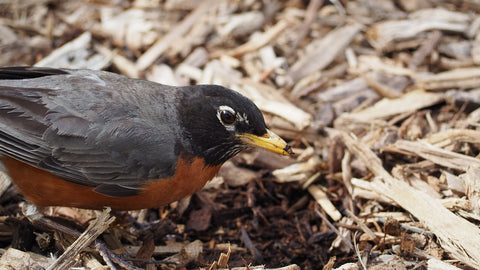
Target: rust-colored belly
(45, 189)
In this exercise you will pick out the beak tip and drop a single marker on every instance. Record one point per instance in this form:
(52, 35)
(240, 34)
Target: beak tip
(288, 150)
(269, 141)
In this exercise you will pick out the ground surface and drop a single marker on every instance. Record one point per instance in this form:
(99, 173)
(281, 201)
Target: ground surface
(380, 99)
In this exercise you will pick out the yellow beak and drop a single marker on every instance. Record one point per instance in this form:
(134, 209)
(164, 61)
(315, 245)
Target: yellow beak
(269, 141)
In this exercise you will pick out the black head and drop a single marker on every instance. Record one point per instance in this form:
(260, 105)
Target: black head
(220, 122)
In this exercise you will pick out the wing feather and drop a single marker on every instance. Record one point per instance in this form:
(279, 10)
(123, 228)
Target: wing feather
(88, 127)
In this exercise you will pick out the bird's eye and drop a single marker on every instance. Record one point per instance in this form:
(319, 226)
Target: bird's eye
(227, 117)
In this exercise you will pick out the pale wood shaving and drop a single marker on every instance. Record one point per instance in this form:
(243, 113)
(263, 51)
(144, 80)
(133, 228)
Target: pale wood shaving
(17, 259)
(389, 107)
(269, 100)
(382, 34)
(322, 199)
(434, 263)
(438, 155)
(460, 237)
(76, 50)
(187, 254)
(460, 78)
(362, 225)
(472, 187)
(256, 42)
(321, 52)
(223, 260)
(175, 33)
(97, 227)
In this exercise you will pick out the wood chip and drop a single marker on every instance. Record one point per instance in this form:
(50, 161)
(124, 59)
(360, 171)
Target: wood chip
(269, 100)
(74, 54)
(175, 33)
(256, 42)
(383, 33)
(17, 259)
(187, 254)
(236, 176)
(223, 260)
(460, 237)
(460, 78)
(322, 199)
(438, 155)
(389, 107)
(472, 187)
(320, 53)
(97, 227)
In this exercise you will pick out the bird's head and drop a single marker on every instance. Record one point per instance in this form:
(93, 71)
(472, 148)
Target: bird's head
(220, 122)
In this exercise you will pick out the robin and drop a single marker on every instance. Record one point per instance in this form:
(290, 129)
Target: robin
(91, 139)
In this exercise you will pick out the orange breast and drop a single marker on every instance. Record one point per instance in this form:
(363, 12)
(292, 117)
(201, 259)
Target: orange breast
(44, 189)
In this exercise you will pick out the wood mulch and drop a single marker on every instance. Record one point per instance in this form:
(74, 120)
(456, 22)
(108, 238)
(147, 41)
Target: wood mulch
(379, 99)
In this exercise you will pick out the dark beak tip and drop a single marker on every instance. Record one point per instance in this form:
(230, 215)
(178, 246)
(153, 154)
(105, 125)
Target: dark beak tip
(289, 150)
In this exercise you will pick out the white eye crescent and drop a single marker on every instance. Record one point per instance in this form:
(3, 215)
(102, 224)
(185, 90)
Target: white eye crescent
(226, 115)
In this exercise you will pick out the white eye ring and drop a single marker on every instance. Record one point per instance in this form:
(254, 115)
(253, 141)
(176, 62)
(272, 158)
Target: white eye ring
(227, 116)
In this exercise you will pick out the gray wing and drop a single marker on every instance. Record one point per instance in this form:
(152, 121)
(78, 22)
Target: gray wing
(89, 127)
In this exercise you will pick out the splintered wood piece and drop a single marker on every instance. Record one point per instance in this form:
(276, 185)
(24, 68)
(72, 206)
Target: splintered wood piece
(456, 235)
(90, 262)
(434, 263)
(322, 199)
(223, 260)
(472, 186)
(344, 90)
(97, 227)
(236, 176)
(133, 28)
(455, 183)
(217, 72)
(126, 66)
(310, 16)
(243, 24)
(269, 160)
(364, 189)
(448, 137)
(188, 253)
(426, 49)
(270, 100)
(438, 155)
(17, 259)
(415, 181)
(384, 33)
(73, 55)
(255, 43)
(460, 78)
(196, 36)
(162, 74)
(175, 33)
(344, 235)
(381, 88)
(471, 120)
(321, 52)
(385, 108)
(298, 171)
(385, 65)
(362, 225)
(171, 247)
(347, 172)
